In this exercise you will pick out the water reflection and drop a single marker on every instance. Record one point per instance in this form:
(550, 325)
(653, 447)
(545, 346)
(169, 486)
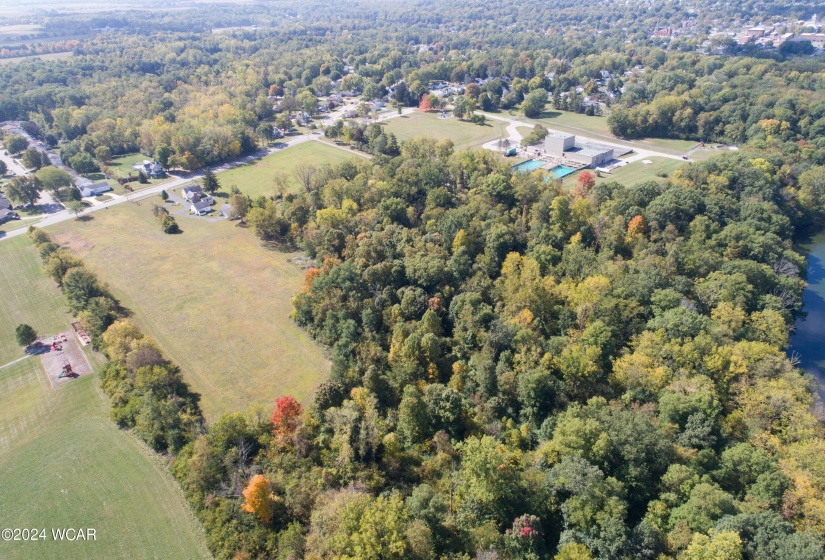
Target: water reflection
(808, 342)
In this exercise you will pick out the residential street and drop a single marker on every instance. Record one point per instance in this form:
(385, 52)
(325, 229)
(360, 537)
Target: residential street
(177, 181)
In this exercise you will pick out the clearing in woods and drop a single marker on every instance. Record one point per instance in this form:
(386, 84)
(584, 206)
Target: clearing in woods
(216, 302)
(64, 463)
(255, 178)
(464, 134)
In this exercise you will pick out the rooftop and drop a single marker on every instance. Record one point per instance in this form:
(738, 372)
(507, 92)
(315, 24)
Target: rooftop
(589, 150)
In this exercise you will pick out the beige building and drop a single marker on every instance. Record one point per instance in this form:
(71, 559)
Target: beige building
(564, 146)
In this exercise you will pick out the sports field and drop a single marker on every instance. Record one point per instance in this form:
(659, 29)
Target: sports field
(64, 463)
(464, 134)
(217, 302)
(255, 178)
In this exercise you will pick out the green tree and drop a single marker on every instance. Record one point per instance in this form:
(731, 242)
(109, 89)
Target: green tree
(264, 132)
(533, 103)
(31, 159)
(3, 168)
(103, 154)
(381, 531)
(15, 143)
(54, 179)
(488, 483)
(83, 163)
(210, 182)
(80, 286)
(75, 207)
(24, 190)
(25, 335)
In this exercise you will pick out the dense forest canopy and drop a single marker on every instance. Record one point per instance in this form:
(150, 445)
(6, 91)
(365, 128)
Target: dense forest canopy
(519, 371)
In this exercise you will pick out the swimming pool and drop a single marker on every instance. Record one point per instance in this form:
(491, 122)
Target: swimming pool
(561, 171)
(527, 166)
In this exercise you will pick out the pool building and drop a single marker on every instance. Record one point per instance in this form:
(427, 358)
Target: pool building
(564, 146)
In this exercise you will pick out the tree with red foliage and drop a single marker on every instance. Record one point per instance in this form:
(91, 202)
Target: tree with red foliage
(586, 182)
(425, 104)
(286, 417)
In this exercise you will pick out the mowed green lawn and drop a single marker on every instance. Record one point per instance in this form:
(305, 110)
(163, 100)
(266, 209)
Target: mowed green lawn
(635, 172)
(26, 296)
(464, 134)
(216, 302)
(64, 463)
(596, 128)
(255, 179)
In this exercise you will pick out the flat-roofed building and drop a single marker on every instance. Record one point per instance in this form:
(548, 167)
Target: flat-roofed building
(564, 146)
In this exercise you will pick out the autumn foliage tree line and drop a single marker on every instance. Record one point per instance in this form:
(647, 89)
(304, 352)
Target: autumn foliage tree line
(193, 98)
(521, 371)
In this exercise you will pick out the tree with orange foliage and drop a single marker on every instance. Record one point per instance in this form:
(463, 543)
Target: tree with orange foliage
(584, 185)
(637, 227)
(286, 417)
(425, 104)
(258, 498)
(309, 277)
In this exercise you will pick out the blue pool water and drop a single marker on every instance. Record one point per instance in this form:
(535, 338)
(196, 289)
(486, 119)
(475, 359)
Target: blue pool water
(561, 171)
(527, 166)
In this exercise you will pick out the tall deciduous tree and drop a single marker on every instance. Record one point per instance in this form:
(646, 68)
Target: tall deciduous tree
(286, 416)
(24, 190)
(25, 335)
(258, 498)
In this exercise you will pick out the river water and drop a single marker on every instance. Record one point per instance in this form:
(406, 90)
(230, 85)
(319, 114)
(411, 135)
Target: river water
(808, 342)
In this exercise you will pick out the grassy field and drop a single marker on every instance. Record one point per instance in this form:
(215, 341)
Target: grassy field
(48, 56)
(464, 134)
(255, 179)
(597, 129)
(28, 297)
(64, 463)
(636, 172)
(217, 303)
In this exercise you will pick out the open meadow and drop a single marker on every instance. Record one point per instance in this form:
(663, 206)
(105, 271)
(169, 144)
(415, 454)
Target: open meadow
(64, 463)
(595, 127)
(255, 178)
(216, 302)
(636, 172)
(464, 134)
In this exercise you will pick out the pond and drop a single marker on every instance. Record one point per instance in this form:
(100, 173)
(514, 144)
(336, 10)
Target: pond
(808, 342)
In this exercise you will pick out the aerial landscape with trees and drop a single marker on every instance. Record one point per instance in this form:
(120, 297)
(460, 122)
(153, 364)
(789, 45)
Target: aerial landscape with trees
(517, 365)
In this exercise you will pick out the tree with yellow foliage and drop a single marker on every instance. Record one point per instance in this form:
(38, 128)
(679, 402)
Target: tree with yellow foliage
(258, 498)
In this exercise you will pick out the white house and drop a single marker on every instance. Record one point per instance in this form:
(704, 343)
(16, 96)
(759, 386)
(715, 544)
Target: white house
(95, 189)
(201, 208)
(195, 194)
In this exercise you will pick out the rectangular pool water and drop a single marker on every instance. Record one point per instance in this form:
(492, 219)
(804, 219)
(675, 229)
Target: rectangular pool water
(561, 171)
(527, 166)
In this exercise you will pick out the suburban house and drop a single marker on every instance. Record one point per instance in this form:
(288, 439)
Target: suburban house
(6, 212)
(564, 146)
(195, 194)
(226, 212)
(303, 118)
(95, 189)
(153, 169)
(201, 207)
(277, 132)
